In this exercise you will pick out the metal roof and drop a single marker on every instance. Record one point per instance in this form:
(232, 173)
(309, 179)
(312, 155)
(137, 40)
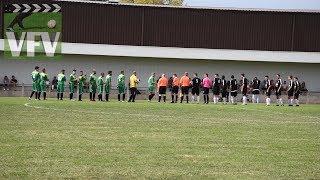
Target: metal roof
(201, 7)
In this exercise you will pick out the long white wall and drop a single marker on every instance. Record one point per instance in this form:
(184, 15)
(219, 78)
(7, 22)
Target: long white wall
(310, 73)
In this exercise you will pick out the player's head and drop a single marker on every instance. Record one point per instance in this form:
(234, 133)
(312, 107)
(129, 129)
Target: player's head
(290, 77)
(232, 76)
(195, 74)
(175, 75)
(295, 78)
(278, 76)
(81, 73)
(223, 77)
(44, 70)
(94, 71)
(242, 75)
(186, 74)
(102, 74)
(206, 75)
(63, 71)
(74, 71)
(216, 75)
(110, 73)
(37, 68)
(134, 72)
(163, 75)
(266, 77)
(255, 78)
(122, 72)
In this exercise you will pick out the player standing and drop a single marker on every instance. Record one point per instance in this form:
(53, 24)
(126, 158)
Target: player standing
(233, 90)
(81, 81)
(216, 88)
(100, 84)
(43, 83)
(224, 89)
(290, 90)
(185, 85)
(195, 91)
(151, 86)
(255, 90)
(175, 88)
(244, 89)
(93, 85)
(108, 85)
(35, 75)
(268, 90)
(206, 84)
(72, 83)
(162, 87)
(121, 86)
(61, 80)
(296, 88)
(134, 81)
(278, 88)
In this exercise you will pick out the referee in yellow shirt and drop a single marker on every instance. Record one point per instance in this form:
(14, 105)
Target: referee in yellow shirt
(133, 83)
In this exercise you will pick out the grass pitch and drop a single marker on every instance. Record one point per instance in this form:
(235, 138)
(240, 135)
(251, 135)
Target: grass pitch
(43, 139)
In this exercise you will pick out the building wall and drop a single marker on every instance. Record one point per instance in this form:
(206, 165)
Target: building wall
(144, 66)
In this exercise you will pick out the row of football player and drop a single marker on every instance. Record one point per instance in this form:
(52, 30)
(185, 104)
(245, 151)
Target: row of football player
(102, 85)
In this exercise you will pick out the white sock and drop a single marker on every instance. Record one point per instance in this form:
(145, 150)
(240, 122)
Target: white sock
(253, 98)
(214, 99)
(224, 100)
(297, 102)
(268, 100)
(257, 99)
(244, 98)
(280, 101)
(198, 99)
(232, 100)
(291, 101)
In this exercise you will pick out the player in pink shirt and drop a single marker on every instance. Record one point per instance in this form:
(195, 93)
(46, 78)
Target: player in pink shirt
(206, 84)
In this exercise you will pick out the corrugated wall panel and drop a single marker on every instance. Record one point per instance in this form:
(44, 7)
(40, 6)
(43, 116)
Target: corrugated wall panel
(307, 32)
(105, 24)
(1, 19)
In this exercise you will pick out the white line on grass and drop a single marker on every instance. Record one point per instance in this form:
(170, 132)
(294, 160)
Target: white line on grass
(167, 116)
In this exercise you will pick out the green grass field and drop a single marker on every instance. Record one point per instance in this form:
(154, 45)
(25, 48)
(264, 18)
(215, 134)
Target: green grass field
(53, 139)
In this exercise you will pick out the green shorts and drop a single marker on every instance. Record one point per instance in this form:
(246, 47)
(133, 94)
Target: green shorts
(107, 89)
(43, 87)
(60, 88)
(36, 87)
(93, 88)
(152, 89)
(121, 89)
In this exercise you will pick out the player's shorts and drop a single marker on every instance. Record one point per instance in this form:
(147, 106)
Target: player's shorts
(175, 90)
(206, 91)
(296, 95)
(80, 89)
(268, 93)
(43, 87)
(100, 89)
(216, 91)
(245, 91)
(93, 88)
(290, 93)
(224, 93)
(151, 89)
(71, 88)
(162, 90)
(256, 91)
(107, 89)
(185, 90)
(234, 93)
(195, 91)
(121, 89)
(36, 87)
(60, 88)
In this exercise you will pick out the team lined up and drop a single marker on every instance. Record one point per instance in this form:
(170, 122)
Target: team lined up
(227, 90)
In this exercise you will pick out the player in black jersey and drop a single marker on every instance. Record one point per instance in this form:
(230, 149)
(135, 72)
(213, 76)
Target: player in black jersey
(216, 88)
(267, 85)
(296, 89)
(224, 89)
(196, 83)
(290, 90)
(278, 89)
(233, 90)
(244, 89)
(255, 89)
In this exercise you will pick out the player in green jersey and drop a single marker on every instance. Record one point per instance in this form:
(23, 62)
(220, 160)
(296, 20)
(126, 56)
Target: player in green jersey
(100, 84)
(61, 80)
(35, 75)
(72, 83)
(81, 81)
(93, 85)
(108, 84)
(152, 86)
(121, 86)
(43, 83)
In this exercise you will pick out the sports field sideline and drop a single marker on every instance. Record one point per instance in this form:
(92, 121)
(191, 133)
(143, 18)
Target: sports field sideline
(66, 139)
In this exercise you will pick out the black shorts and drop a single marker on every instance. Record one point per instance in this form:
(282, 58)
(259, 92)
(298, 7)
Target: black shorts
(290, 93)
(234, 94)
(216, 91)
(162, 90)
(244, 91)
(185, 90)
(195, 91)
(224, 93)
(206, 91)
(296, 95)
(268, 93)
(256, 91)
(175, 90)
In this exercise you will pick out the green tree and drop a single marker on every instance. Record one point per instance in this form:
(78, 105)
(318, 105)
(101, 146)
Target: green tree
(157, 2)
